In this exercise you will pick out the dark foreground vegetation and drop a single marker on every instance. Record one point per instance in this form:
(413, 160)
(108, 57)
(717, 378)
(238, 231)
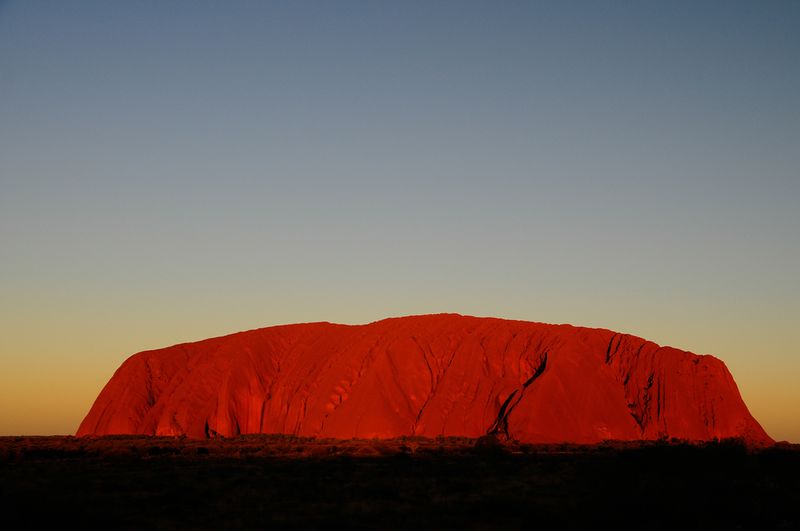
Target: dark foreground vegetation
(411, 483)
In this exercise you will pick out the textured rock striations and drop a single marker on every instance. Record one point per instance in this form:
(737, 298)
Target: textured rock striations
(425, 375)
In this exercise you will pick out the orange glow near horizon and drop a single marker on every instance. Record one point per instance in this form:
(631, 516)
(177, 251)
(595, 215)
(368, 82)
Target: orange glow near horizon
(40, 400)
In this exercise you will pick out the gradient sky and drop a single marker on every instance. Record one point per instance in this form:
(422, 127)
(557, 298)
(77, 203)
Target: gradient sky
(171, 171)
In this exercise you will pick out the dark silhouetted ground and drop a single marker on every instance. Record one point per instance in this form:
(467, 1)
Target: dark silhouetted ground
(411, 483)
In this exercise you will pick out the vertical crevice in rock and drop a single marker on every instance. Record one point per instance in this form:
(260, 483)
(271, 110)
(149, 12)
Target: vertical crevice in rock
(151, 399)
(500, 424)
(434, 385)
(641, 411)
(612, 349)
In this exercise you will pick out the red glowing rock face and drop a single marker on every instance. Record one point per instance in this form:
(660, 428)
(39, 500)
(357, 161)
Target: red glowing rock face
(429, 375)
